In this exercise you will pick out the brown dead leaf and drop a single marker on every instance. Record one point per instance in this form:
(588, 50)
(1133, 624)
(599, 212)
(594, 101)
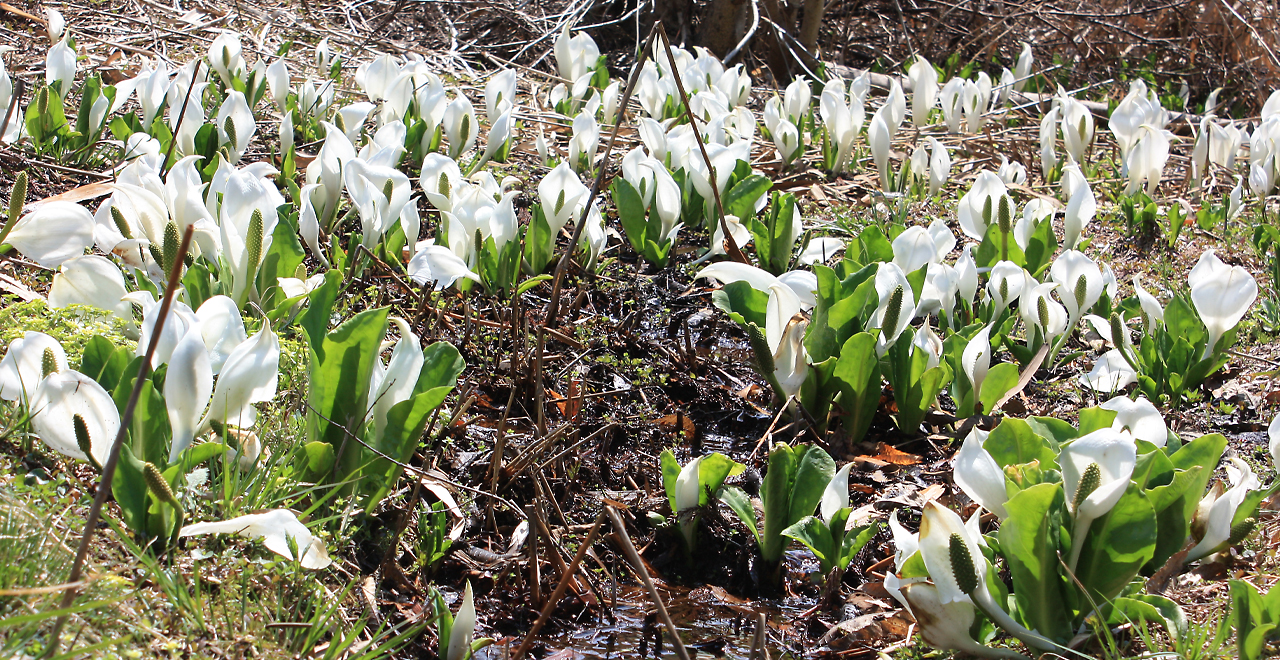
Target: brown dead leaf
(573, 406)
(888, 455)
(892, 455)
(678, 423)
(75, 195)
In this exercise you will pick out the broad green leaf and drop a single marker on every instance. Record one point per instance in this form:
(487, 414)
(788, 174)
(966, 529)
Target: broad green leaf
(740, 200)
(875, 246)
(814, 469)
(1030, 544)
(1152, 609)
(631, 212)
(1055, 430)
(319, 460)
(1040, 249)
(129, 488)
(740, 504)
(1013, 442)
(855, 540)
(1118, 545)
(859, 371)
(1000, 379)
(1092, 419)
(776, 498)
(815, 535)
(1203, 452)
(407, 420)
(742, 302)
(339, 384)
(670, 472)
(315, 320)
(103, 362)
(712, 471)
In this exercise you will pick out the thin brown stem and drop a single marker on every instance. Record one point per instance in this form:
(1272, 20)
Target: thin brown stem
(560, 588)
(731, 245)
(638, 564)
(109, 469)
(553, 307)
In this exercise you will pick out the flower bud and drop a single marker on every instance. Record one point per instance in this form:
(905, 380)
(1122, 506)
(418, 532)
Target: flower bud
(253, 242)
(892, 312)
(962, 565)
(121, 224)
(1004, 215)
(1089, 482)
(1241, 530)
(159, 485)
(1082, 291)
(230, 129)
(759, 344)
(83, 439)
(171, 245)
(48, 362)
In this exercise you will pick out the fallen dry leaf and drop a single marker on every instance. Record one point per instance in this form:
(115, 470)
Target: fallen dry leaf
(678, 423)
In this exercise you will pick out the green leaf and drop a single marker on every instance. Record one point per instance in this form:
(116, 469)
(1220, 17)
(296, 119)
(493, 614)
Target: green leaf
(281, 260)
(197, 284)
(670, 473)
(631, 212)
(193, 456)
(859, 371)
(339, 384)
(739, 503)
(875, 246)
(1040, 249)
(315, 320)
(539, 242)
(991, 250)
(407, 420)
(814, 469)
(1118, 545)
(149, 432)
(530, 283)
(319, 458)
(1203, 452)
(740, 200)
(742, 302)
(1093, 419)
(129, 487)
(103, 362)
(840, 305)
(1000, 379)
(1152, 609)
(712, 471)
(775, 495)
(1029, 542)
(1014, 442)
(815, 535)
(819, 391)
(1053, 429)
(855, 540)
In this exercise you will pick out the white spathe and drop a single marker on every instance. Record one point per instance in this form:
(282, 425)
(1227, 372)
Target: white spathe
(275, 528)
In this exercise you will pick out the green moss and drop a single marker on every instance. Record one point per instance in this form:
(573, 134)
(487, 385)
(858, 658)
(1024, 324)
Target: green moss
(72, 326)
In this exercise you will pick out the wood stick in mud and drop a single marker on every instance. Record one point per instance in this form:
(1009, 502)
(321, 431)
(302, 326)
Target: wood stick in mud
(634, 557)
(560, 588)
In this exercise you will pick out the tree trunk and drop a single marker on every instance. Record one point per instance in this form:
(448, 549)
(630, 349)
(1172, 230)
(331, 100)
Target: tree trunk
(722, 26)
(813, 10)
